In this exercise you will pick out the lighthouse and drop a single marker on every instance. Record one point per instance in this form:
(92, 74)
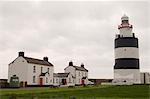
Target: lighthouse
(126, 68)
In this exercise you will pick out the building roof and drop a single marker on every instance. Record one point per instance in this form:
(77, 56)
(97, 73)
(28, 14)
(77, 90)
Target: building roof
(80, 68)
(61, 74)
(37, 61)
(34, 60)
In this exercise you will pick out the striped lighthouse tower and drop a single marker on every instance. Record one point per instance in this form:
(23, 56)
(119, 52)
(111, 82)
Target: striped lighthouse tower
(126, 69)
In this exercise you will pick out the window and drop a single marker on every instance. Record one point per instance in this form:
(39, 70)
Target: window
(46, 80)
(48, 70)
(79, 80)
(69, 80)
(79, 73)
(56, 80)
(34, 70)
(53, 80)
(33, 79)
(15, 80)
(82, 74)
(41, 69)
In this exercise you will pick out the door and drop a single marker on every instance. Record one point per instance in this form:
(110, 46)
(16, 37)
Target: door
(64, 82)
(82, 82)
(41, 81)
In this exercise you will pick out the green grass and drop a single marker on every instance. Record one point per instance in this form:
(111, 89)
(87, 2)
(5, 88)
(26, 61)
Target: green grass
(96, 92)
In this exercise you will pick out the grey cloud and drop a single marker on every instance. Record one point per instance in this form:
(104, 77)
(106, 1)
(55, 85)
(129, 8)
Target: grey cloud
(64, 31)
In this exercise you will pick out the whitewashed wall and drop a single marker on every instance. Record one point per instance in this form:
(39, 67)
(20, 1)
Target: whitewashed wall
(71, 70)
(126, 52)
(18, 68)
(56, 81)
(130, 75)
(147, 78)
(75, 73)
(38, 72)
(70, 83)
(24, 71)
(80, 75)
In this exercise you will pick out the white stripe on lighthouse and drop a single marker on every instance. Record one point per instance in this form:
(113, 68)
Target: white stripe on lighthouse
(126, 52)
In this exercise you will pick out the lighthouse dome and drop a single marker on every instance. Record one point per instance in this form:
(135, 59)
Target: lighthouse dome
(124, 17)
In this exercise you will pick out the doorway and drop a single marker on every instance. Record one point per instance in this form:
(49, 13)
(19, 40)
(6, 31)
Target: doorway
(82, 82)
(41, 81)
(64, 82)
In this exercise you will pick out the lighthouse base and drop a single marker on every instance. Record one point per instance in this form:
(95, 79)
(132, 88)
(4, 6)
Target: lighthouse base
(126, 76)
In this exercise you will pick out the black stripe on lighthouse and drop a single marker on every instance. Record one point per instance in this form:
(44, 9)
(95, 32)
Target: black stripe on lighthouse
(126, 63)
(126, 42)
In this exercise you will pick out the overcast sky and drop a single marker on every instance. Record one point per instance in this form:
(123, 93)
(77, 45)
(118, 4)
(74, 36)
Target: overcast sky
(83, 32)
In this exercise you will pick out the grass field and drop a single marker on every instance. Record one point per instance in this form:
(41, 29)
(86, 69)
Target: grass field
(95, 92)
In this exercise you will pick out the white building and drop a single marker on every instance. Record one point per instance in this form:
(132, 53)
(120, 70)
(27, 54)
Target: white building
(63, 79)
(80, 73)
(31, 71)
(126, 69)
(145, 78)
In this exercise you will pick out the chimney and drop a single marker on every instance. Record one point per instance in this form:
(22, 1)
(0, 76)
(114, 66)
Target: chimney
(82, 65)
(21, 54)
(70, 63)
(45, 58)
(133, 35)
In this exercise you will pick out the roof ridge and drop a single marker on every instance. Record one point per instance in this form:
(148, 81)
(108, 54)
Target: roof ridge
(37, 61)
(34, 58)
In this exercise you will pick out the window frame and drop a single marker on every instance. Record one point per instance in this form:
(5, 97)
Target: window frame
(34, 79)
(48, 70)
(34, 69)
(46, 80)
(41, 69)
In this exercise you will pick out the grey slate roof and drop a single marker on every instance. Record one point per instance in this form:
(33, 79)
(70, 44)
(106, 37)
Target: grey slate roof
(37, 61)
(80, 68)
(60, 74)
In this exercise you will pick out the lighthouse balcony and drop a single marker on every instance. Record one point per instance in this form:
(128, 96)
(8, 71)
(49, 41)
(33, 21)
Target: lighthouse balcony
(125, 26)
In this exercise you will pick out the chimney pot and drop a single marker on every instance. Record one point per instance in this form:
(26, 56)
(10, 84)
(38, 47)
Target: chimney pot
(82, 65)
(45, 58)
(70, 63)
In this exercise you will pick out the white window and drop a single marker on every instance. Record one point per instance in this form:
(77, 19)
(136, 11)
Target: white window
(46, 80)
(51, 80)
(48, 70)
(69, 80)
(33, 79)
(56, 80)
(79, 80)
(41, 69)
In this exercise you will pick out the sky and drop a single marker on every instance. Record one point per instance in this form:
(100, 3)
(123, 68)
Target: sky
(78, 31)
